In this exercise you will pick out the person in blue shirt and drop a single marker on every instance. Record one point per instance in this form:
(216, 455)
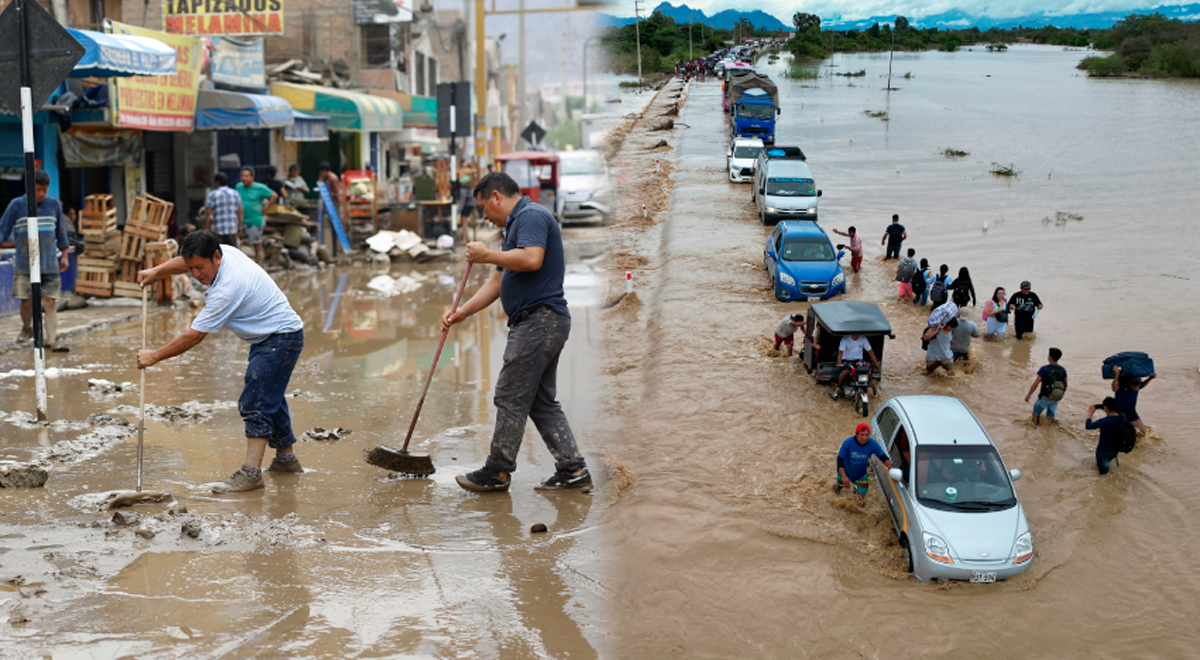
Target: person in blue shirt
(52, 246)
(853, 458)
(1107, 446)
(528, 281)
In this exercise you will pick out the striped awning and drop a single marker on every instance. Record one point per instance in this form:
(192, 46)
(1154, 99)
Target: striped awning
(112, 55)
(347, 111)
(222, 110)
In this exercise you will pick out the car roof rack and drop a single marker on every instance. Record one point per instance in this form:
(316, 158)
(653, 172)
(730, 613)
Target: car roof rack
(784, 153)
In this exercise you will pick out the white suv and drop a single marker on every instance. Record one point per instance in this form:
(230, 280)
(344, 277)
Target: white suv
(741, 158)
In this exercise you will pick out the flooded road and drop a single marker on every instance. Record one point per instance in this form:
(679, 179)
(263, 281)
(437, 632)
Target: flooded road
(732, 543)
(340, 562)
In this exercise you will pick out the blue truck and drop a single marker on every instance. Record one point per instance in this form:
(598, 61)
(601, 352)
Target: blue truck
(753, 106)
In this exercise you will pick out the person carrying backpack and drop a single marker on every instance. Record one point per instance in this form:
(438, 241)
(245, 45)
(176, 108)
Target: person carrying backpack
(939, 286)
(920, 283)
(963, 289)
(1052, 380)
(1116, 433)
(904, 275)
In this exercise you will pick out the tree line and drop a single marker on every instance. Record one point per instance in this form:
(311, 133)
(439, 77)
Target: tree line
(1149, 44)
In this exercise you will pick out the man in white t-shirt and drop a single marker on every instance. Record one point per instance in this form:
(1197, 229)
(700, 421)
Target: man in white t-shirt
(242, 297)
(850, 350)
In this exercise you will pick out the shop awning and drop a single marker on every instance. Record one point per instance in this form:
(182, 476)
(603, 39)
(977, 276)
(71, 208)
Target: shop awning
(307, 128)
(112, 55)
(347, 111)
(221, 110)
(423, 113)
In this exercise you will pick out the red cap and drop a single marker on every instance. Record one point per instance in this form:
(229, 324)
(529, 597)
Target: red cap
(862, 427)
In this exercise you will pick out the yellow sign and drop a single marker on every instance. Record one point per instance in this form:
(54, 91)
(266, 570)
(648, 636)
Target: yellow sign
(223, 17)
(159, 103)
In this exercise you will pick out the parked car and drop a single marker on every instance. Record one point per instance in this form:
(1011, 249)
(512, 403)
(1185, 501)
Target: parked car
(951, 498)
(741, 158)
(802, 264)
(783, 187)
(584, 182)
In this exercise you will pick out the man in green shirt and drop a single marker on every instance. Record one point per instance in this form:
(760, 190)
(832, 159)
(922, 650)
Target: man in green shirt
(253, 197)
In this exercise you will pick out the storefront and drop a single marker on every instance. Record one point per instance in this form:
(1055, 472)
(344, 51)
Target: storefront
(243, 124)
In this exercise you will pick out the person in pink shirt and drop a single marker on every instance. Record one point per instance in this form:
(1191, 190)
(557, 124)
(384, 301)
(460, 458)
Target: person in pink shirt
(856, 249)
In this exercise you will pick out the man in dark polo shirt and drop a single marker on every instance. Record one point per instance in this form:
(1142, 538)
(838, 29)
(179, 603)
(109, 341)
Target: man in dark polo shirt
(529, 283)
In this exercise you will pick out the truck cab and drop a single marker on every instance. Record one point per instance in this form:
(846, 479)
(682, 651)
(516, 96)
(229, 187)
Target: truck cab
(753, 115)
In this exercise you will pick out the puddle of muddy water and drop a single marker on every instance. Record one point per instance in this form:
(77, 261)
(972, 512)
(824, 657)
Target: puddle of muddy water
(341, 561)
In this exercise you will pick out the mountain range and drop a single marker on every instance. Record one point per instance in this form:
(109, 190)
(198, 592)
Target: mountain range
(953, 19)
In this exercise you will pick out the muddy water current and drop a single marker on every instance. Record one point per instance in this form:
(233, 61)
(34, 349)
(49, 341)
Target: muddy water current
(732, 543)
(340, 562)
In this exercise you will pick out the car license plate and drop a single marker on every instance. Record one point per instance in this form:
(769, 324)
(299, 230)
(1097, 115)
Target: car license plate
(812, 298)
(983, 576)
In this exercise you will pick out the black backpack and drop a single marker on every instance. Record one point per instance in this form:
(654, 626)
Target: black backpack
(918, 282)
(1126, 435)
(937, 292)
(962, 295)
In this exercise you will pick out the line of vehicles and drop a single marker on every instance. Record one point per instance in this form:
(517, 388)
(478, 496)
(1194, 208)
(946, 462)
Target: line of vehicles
(951, 499)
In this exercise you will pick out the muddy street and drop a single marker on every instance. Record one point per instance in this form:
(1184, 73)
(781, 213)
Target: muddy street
(733, 543)
(342, 561)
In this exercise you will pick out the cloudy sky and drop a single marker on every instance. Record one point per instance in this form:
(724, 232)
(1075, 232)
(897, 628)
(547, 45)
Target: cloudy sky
(851, 9)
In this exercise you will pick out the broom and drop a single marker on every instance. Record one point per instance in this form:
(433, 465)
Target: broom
(124, 497)
(400, 460)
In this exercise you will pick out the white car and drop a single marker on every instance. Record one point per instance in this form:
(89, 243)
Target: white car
(584, 185)
(741, 158)
(951, 498)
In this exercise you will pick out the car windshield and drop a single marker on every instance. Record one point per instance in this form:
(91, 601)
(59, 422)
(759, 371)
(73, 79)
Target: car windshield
(791, 187)
(962, 478)
(746, 152)
(807, 248)
(582, 166)
(755, 111)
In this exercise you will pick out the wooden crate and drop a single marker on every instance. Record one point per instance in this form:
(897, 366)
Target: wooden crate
(100, 246)
(133, 247)
(150, 211)
(127, 290)
(149, 232)
(99, 216)
(159, 253)
(128, 270)
(95, 277)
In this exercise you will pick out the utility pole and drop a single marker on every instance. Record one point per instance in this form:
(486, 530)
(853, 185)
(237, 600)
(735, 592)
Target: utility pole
(637, 28)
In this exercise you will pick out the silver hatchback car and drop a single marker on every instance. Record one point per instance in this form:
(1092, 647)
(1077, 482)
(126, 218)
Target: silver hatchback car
(951, 498)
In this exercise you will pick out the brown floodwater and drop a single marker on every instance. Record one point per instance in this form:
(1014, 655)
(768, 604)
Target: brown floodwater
(341, 562)
(732, 543)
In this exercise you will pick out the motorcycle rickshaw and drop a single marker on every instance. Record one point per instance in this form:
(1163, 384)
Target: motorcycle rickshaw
(536, 172)
(824, 328)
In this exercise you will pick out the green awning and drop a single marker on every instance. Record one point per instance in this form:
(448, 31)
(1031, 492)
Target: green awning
(347, 111)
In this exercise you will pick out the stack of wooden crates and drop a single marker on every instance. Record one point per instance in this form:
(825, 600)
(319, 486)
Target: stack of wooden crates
(112, 259)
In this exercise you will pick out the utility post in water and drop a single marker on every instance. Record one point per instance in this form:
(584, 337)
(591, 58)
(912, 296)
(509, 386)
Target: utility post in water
(637, 30)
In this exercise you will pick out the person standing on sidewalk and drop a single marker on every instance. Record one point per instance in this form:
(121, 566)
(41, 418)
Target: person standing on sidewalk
(52, 238)
(255, 198)
(223, 211)
(243, 298)
(528, 281)
(894, 236)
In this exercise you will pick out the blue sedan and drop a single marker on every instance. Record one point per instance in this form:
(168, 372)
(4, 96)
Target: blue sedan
(802, 264)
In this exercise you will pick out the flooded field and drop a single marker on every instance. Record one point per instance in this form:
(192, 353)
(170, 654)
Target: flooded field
(733, 544)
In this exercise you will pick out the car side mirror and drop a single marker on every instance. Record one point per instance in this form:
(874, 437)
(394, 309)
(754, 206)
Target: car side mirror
(1015, 474)
(762, 191)
(841, 253)
(779, 111)
(897, 475)
(818, 192)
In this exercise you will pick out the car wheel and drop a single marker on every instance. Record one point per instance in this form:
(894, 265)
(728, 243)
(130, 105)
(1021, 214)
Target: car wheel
(908, 555)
